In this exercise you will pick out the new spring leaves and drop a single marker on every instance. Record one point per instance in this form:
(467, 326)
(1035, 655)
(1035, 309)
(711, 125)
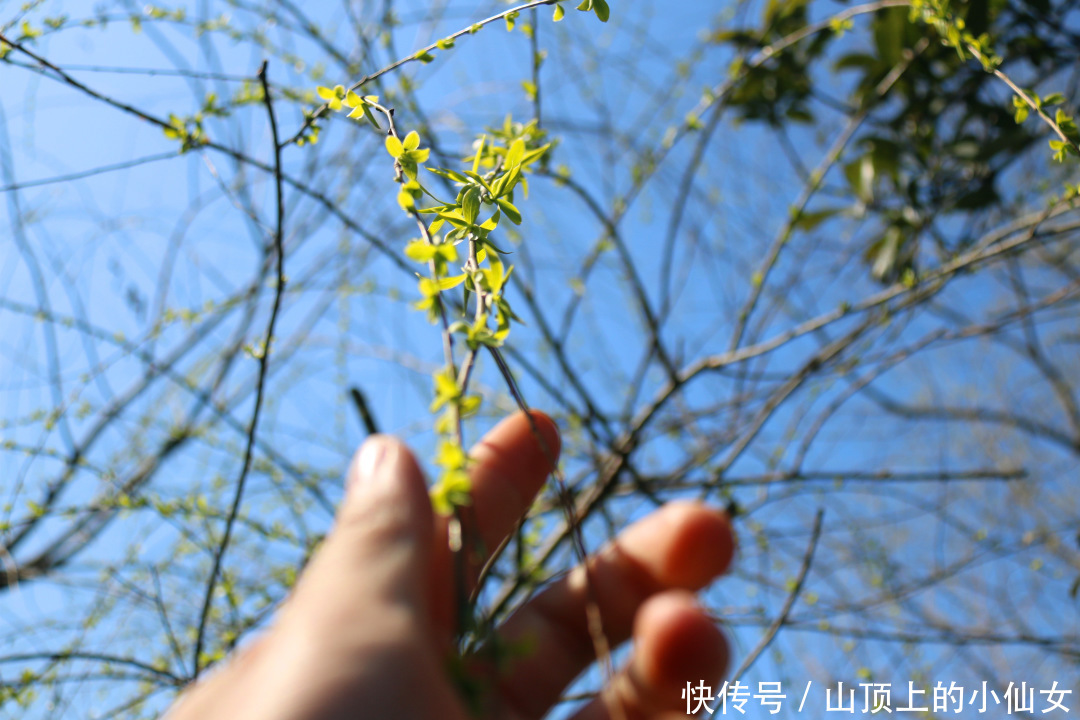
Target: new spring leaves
(337, 96)
(1065, 125)
(498, 166)
(465, 255)
(485, 194)
(600, 7)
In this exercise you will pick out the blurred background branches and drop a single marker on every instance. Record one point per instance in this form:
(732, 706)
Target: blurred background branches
(816, 261)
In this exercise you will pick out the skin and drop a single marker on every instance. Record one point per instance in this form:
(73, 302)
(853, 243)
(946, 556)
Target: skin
(367, 629)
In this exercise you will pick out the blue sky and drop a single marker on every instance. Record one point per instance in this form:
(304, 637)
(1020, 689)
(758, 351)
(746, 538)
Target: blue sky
(103, 245)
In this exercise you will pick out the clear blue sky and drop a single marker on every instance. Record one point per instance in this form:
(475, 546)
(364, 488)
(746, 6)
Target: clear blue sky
(169, 239)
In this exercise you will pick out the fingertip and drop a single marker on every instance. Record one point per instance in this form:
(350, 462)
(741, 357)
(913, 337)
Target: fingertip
(676, 642)
(514, 458)
(377, 553)
(385, 475)
(703, 543)
(550, 441)
(365, 461)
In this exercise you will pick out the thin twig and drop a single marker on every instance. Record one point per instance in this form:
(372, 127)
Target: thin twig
(264, 361)
(362, 408)
(327, 203)
(817, 177)
(126, 165)
(1036, 107)
(796, 590)
(321, 110)
(594, 619)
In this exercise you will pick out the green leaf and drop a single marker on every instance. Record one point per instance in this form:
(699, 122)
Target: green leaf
(559, 13)
(450, 492)
(1053, 99)
(446, 251)
(1061, 149)
(412, 141)
(515, 154)
(479, 152)
(449, 174)
(29, 32)
(600, 7)
(860, 174)
(437, 208)
(370, 118)
(585, 6)
(332, 96)
(490, 224)
(450, 455)
(509, 210)
(394, 146)
(1065, 122)
(445, 43)
(534, 155)
(455, 218)
(430, 288)
(496, 276)
(480, 179)
(417, 156)
(505, 184)
(809, 220)
(470, 404)
(420, 251)
(446, 389)
(840, 26)
(470, 204)
(486, 242)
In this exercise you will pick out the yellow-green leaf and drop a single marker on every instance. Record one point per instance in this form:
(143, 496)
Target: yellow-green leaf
(394, 147)
(430, 288)
(450, 456)
(516, 153)
(420, 251)
(509, 210)
(470, 404)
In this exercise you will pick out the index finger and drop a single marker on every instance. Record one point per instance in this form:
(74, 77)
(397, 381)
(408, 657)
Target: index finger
(510, 465)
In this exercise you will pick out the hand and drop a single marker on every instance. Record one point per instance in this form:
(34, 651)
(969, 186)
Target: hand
(368, 628)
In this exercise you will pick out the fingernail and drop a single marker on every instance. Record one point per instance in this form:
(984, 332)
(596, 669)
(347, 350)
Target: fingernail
(368, 461)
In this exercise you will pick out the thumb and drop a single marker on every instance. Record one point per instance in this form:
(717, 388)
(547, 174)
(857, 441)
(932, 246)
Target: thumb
(378, 553)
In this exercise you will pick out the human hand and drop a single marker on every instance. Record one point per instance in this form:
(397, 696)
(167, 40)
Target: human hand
(368, 628)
